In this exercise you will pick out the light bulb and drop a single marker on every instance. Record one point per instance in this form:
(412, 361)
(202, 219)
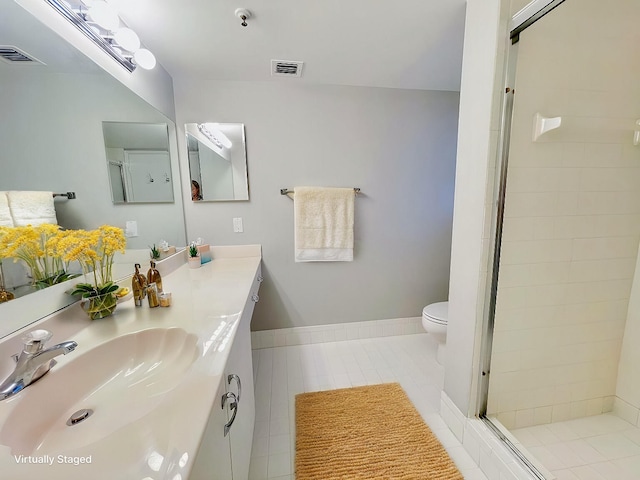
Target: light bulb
(127, 39)
(145, 59)
(104, 15)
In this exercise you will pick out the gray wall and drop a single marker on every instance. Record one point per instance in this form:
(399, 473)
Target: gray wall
(397, 145)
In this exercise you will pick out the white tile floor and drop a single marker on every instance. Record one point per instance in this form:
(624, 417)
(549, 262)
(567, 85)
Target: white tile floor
(602, 447)
(283, 372)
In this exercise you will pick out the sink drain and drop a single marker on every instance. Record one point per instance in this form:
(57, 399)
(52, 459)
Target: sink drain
(79, 416)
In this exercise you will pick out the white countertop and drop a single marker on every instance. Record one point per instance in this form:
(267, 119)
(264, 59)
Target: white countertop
(162, 441)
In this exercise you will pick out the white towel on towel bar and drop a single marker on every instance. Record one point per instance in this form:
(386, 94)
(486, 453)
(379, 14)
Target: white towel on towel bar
(323, 224)
(6, 220)
(32, 208)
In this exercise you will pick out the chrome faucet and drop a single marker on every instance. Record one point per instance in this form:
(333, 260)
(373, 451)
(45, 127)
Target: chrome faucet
(33, 362)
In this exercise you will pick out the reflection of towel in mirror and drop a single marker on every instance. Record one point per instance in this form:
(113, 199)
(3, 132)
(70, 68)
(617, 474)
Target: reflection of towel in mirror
(32, 208)
(323, 224)
(6, 220)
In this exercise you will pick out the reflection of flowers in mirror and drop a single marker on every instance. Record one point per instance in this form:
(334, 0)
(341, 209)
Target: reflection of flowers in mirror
(38, 248)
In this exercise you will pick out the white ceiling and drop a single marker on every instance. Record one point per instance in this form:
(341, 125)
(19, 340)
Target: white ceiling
(413, 44)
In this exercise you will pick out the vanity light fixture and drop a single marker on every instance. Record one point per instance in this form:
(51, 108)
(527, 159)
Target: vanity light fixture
(100, 22)
(212, 132)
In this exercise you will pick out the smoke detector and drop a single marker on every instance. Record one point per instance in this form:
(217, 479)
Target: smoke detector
(286, 68)
(243, 14)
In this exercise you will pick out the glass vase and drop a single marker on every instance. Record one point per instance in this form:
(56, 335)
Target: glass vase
(100, 306)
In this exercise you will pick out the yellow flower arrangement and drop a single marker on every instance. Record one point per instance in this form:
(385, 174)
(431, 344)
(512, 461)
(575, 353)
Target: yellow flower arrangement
(94, 250)
(37, 247)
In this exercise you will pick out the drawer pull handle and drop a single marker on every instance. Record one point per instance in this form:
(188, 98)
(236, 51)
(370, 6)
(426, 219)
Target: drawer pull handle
(233, 376)
(234, 407)
(255, 297)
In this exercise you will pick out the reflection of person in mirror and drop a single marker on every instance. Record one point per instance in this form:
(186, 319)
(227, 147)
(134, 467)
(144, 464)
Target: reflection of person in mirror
(195, 191)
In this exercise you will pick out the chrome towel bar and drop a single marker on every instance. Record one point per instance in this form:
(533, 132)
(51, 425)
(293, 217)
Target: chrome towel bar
(69, 195)
(286, 191)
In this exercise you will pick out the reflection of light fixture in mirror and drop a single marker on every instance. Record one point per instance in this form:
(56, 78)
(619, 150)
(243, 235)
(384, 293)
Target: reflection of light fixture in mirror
(213, 133)
(100, 23)
(104, 15)
(127, 39)
(155, 460)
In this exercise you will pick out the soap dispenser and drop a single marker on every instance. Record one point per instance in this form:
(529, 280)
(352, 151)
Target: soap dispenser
(153, 276)
(139, 286)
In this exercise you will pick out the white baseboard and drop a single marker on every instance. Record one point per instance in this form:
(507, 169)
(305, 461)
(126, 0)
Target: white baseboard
(496, 461)
(626, 411)
(337, 332)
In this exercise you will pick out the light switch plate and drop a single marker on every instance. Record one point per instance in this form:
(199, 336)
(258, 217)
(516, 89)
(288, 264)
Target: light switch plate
(237, 225)
(131, 229)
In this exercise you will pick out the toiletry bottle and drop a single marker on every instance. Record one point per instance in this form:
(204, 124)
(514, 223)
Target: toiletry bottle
(139, 286)
(153, 276)
(152, 295)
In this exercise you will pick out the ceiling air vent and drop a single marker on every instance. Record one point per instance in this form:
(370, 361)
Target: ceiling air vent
(286, 68)
(11, 54)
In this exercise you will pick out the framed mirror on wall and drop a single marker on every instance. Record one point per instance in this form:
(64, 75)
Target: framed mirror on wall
(139, 162)
(217, 158)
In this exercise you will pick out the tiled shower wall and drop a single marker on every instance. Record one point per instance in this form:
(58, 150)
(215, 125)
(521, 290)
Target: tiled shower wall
(572, 217)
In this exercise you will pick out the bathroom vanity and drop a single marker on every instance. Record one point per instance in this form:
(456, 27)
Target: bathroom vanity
(148, 393)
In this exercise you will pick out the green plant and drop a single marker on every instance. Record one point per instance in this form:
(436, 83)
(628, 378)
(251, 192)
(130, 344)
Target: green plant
(193, 250)
(155, 253)
(55, 279)
(88, 290)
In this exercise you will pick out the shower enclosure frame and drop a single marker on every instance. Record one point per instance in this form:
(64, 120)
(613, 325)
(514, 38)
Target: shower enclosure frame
(526, 17)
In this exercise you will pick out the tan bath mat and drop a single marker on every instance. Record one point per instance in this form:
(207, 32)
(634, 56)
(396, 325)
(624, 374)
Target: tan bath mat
(371, 432)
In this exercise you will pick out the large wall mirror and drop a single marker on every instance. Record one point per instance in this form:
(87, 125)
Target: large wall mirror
(217, 162)
(53, 140)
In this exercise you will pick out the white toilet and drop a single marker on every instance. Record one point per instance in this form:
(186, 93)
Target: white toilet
(435, 318)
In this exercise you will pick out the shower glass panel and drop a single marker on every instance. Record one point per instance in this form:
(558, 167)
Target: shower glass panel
(567, 308)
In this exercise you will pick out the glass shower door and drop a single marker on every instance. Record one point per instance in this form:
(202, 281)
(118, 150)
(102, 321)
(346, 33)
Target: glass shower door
(570, 222)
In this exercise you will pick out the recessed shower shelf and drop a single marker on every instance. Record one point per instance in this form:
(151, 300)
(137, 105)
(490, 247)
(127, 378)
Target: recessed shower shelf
(589, 129)
(542, 125)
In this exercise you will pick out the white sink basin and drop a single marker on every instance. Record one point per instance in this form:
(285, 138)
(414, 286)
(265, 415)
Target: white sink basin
(121, 381)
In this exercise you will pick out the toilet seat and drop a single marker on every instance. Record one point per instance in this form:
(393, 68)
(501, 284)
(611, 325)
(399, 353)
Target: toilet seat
(437, 313)
(435, 318)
